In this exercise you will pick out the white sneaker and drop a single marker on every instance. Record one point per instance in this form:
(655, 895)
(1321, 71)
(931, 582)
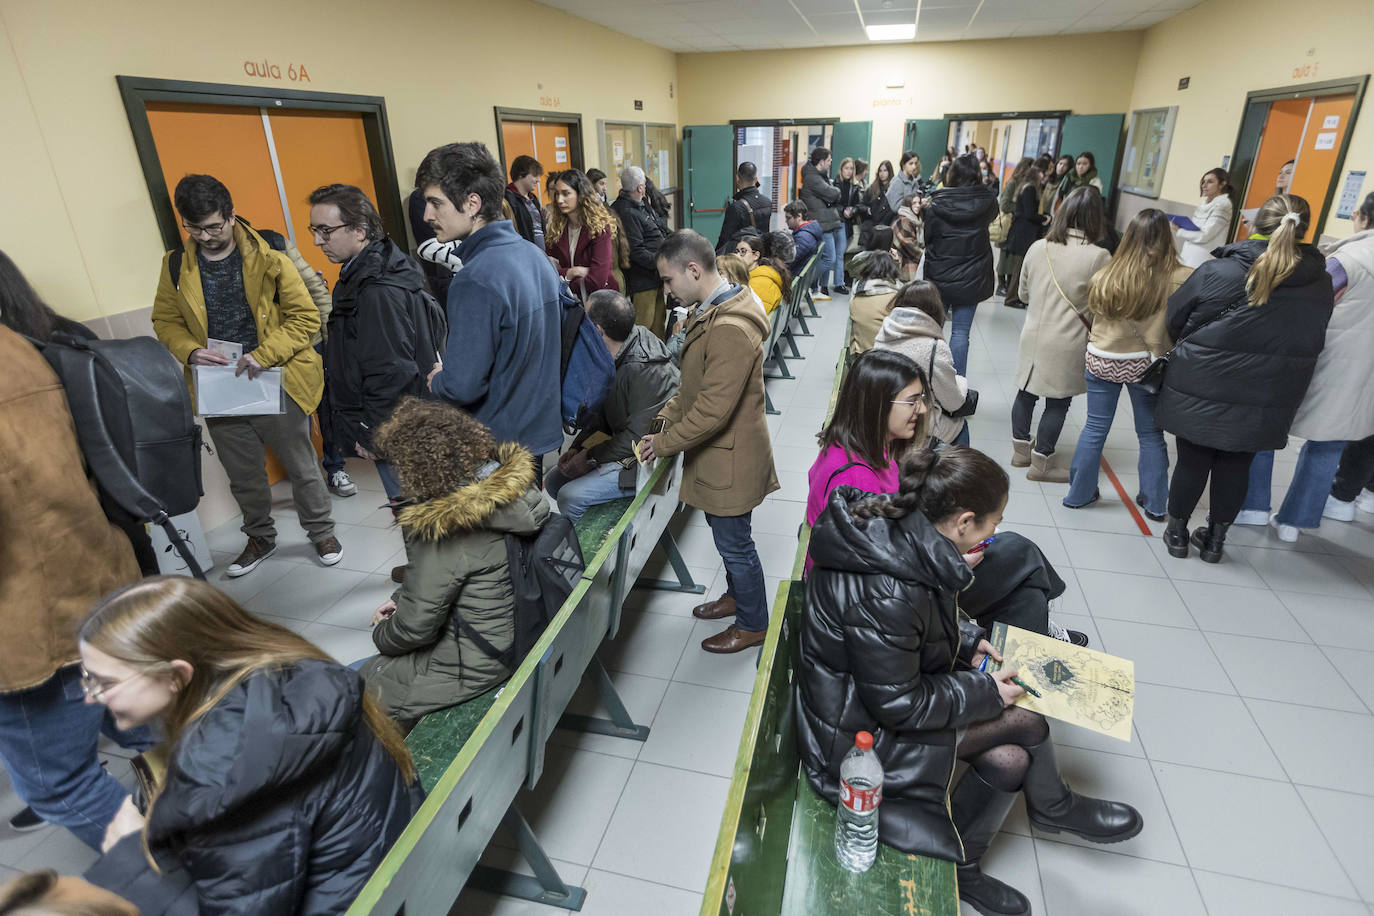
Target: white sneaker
(1287, 533)
(1339, 509)
(1252, 517)
(820, 296)
(1365, 502)
(340, 484)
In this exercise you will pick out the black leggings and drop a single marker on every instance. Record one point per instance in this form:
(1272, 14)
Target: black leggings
(997, 748)
(1229, 473)
(1051, 421)
(1356, 472)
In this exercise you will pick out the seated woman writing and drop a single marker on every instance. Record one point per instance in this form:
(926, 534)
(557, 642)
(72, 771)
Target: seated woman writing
(463, 494)
(884, 649)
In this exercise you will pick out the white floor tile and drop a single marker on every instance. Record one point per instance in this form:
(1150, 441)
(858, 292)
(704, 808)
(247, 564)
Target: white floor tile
(711, 669)
(1123, 553)
(572, 804)
(1319, 747)
(1228, 896)
(1200, 729)
(1245, 611)
(1268, 669)
(1166, 655)
(697, 728)
(305, 591)
(1344, 819)
(648, 644)
(641, 696)
(609, 894)
(1341, 622)
(1083, 881)
(1307, 573)
(1143, 599)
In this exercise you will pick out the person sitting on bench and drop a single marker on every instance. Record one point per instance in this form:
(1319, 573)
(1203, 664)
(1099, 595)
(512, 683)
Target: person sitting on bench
(884, 649)
(462, 492)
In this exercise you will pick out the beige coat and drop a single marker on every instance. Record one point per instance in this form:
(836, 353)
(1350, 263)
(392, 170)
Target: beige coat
(716, 418)
(1054, 340)
(915, 335)
(867, 310)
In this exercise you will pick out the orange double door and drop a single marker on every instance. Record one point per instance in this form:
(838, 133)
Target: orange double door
(1309, 133)
(549, 144)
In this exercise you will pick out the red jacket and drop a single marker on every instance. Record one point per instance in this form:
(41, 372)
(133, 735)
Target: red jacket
(596, 253)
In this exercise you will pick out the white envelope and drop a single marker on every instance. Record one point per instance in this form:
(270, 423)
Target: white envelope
(220, 394)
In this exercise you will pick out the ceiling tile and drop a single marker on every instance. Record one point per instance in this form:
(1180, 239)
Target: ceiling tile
(890, 17)
(942, 19)
(1042, 26)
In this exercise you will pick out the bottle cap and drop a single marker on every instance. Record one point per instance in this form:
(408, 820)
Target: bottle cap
(863, 741)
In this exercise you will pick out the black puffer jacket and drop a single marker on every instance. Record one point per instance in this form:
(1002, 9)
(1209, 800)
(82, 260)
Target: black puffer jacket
(279, 800)
(958, 250)
(1236, 384)
(385, 334)
(644, 236)
(879, 642)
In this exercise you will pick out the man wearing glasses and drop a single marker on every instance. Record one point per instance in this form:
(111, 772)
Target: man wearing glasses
(234, 289)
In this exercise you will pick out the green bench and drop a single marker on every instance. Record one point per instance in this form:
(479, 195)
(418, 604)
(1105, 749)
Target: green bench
(473, 759)
(775, 361)
(775, 852)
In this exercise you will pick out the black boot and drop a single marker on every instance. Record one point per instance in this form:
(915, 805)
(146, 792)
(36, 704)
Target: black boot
(1053, 806)
(978, 810)
(1176, 537)
(1210, 540)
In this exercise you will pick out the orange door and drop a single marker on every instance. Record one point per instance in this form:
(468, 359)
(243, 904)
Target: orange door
(1279, 143)
(1315, 169)
(517, 138)
(552, 147)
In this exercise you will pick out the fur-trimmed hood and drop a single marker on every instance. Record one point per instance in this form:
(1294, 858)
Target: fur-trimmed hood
(502, 499)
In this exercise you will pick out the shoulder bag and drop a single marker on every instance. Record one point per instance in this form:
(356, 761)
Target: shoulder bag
(1087, 322)
(966, 409)
(1153, 379)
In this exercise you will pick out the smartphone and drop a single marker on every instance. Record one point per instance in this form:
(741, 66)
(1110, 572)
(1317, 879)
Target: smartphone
(656, 425)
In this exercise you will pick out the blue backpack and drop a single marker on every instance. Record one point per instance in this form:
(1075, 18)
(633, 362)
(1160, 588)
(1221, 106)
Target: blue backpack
(587, 366)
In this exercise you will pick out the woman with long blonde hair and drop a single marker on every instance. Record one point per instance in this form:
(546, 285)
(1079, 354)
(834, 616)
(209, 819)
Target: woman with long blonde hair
(581, 234)
(1127, 300)
(1250, 325)
(285, 782)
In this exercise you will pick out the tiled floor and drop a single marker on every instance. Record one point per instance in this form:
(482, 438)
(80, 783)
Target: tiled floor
(1253, 724)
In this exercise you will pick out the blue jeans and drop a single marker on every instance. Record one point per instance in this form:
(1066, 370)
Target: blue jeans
(743, 572)
(960, 324)
(839, 241)
(576, 496)
(827, 259)
(390, 482)
(1302, 507)
(48, 740)
(963, 437)
(1153, 465)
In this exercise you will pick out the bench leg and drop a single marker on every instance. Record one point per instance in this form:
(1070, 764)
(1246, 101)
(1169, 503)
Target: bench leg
(685, 582)
(545, 887)
(620, 725)
(801, 320)
(792, 343)
(779, 363)
(768, 407)
(811, 307)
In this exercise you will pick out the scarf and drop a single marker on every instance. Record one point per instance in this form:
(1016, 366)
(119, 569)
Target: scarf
(1072, 181)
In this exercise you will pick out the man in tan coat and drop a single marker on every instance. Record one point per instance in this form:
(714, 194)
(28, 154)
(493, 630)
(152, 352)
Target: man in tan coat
(717, 420)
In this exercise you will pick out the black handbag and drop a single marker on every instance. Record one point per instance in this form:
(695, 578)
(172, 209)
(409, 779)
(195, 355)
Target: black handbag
(966, 409)
(1152, 379)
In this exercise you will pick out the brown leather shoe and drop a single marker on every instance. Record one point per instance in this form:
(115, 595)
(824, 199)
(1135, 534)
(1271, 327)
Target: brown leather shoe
(733, 639)
(398, 574)
(258, 549)
(724, 606)
(330, 551)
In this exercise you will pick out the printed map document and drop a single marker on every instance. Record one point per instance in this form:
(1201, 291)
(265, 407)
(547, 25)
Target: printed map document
(1090, 689)
(219, 393)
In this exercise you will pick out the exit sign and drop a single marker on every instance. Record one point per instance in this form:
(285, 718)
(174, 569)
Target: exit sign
(639, 104)
(1183, 83)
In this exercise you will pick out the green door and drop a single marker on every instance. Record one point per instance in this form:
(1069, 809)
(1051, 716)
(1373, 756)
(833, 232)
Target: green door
(851, 140)
(929, 138)
(708, 166)
(1102, 136)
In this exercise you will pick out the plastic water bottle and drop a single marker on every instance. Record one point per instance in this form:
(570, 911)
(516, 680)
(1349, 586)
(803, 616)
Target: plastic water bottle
(856, 817)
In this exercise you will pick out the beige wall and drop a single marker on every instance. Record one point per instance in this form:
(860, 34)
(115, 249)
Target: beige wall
(1087, 74)
(78, 219)
(1231, 47)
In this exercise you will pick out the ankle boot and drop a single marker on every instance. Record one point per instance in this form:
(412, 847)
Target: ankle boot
(1040, 469)
(978, 811)
(1052, 806)
(1176, 537)
(1020, 453)
(1210, 540)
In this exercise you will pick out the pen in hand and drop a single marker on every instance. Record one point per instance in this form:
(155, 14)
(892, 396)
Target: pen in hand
(1026, 687)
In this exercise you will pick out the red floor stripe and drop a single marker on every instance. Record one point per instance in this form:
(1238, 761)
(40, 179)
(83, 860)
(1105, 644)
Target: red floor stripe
(1127, 499)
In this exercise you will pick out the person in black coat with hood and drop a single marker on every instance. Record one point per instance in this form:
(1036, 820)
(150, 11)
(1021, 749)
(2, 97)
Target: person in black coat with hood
(285, 783)
(1249, 326)
(385, 332)
(749, 209)
(885, 649)
(958, 249)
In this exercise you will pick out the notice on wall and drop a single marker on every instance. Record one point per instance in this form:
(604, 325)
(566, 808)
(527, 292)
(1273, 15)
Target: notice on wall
(560, 142)
(560, 155)
(1350, 195)
(663, 176)
(1326, 140)
(1331, 122)
(618, 151)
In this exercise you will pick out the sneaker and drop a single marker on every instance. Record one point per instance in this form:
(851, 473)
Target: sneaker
(1252, 517)
(340, 484)
(1064, 634)
(330, 551)
(25, 820)
(1287, 533)
(398, 574)
(842, 290)
(258, 549)
(1365, 502)
(1339, 509)
(821, 295)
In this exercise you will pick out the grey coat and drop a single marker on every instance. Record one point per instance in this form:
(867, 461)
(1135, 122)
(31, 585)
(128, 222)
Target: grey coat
(645, 378)
(820, 197)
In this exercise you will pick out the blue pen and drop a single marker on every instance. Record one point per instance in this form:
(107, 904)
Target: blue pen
(984, 665)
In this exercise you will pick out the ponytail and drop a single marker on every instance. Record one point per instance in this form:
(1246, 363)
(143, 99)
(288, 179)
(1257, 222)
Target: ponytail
(941, 484)
(1285, 219)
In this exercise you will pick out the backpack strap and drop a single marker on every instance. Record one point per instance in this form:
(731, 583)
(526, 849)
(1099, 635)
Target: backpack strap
(481, 641)
(174, 265)
(840, 470)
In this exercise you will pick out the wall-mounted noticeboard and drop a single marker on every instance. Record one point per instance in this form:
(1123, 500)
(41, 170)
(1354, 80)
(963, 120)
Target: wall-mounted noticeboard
(1147, 150)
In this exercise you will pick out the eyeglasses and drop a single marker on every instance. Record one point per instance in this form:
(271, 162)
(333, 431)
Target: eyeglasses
(921, 400)
(213, 229)
(325, 232)
(94, 688)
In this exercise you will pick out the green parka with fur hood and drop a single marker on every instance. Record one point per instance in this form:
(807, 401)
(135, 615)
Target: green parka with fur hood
(455, 567)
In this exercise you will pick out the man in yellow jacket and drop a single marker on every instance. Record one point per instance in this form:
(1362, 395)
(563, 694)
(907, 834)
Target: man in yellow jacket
(231, 286)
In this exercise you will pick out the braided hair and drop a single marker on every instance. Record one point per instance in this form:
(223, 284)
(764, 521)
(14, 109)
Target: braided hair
(941, 484)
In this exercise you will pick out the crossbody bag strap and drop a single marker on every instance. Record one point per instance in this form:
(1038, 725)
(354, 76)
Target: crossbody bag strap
(1086, 323)
(930, 376)
(840, 470)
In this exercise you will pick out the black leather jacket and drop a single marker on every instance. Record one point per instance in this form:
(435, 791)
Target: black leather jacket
(880, 641)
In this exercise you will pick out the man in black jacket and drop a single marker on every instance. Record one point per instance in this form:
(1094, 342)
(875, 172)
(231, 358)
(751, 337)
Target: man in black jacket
(385, 332)
(748, 208)
(645, 377)
(644, 234)
(525, 173)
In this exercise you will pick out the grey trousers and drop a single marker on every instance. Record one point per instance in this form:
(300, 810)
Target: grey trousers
(240, 443)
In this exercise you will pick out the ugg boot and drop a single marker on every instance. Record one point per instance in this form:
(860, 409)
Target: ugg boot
(1176, 537)
(1052, 806)
(1020, 453)
(1040, 469)
(978, 811)
(1210, 540)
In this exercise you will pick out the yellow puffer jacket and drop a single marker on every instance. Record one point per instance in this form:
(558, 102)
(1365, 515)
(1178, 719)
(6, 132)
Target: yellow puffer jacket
(767, 282)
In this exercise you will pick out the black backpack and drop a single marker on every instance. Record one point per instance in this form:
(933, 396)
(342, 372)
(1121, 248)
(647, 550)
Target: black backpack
(135, 426)
(544, 570)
